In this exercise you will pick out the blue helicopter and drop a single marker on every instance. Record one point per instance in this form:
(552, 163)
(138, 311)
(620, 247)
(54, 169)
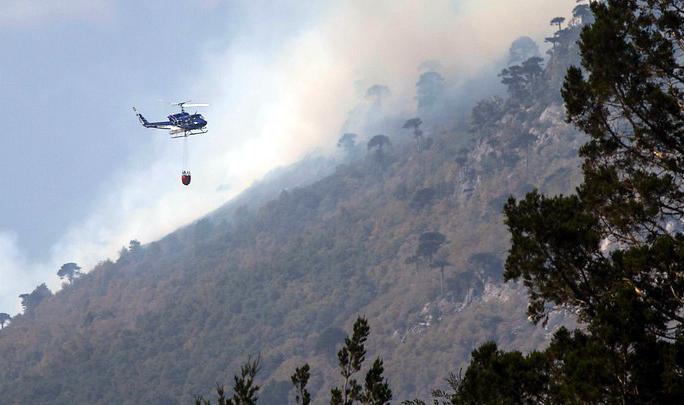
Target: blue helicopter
(180, 125)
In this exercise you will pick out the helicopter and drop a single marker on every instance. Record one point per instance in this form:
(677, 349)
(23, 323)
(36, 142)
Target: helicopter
(180, 125)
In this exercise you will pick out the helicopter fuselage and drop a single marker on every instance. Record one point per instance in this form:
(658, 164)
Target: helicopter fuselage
(179, 125)
(187, 121)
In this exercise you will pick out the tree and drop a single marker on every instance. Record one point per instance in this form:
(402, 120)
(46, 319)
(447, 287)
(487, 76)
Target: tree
(414, 123)
(300, 379)
(244, 388)
(70, 271)
(486, 114)
(554, 41)
(134, 246)
(497, 377)
(630, 297)
(521, 50)
(347, 141)
(428, 244)
(351, 358)
(440, 263)
(429, 89)
(521, 79)
(378, 92)
(558, 21)
(628, 99)
(379, 143)
(4, 318)
(30, 301)
(582, 12)
(376, 390)
(633, 174)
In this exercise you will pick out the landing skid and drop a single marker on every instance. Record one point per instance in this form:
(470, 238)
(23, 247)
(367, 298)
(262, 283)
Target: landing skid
(190, 133)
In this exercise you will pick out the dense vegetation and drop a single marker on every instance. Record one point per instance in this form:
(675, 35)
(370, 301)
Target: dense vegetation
(412, 236)
(613, 252)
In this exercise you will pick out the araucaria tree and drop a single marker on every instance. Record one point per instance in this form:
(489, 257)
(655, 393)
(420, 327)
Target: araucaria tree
(379, 143)
(347, 141)
(485, 115)
(414, 124)
(70, 271)
(521, 50)
(441, 263)
(610, 252)
(428, 245)
(377, 93)
(522, 79)
(429, 90)
(559, 22)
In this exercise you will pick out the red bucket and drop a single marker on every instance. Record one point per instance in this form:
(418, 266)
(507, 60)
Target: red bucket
(185, 179)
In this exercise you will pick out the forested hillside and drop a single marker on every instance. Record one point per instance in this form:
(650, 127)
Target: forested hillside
(286, 273)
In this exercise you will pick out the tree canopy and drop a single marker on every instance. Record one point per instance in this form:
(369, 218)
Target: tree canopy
(378, 92)
(522, 49)
(414, 124)
(347, 141)
(30, 301)
(521, 79)
(70, 271)
(429, 89)
(428, 244)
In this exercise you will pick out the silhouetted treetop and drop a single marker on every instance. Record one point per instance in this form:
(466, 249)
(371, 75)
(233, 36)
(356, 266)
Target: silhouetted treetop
(521, 79)
(522, 49)
(378, 92)
(558, 21)
(379, 143)
(70, 271)
(4, 318)
(30, 301)
(429, 89)
(347, 141)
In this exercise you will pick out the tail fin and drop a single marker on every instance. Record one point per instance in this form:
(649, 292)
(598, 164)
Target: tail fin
(141, 118)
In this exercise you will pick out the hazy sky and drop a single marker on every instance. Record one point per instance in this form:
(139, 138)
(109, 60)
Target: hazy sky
(80, 177)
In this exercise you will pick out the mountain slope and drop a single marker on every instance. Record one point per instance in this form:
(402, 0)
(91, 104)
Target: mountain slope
(286, 277)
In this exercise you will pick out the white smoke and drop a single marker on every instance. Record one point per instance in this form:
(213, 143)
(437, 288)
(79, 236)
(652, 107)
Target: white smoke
(271, 106)
(17, 274)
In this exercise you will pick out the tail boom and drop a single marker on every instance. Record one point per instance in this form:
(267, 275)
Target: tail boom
(145, 123)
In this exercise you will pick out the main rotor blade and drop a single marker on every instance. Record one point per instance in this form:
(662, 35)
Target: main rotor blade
(196, 105)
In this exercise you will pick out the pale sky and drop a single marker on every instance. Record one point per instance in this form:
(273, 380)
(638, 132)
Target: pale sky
(80, 177)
